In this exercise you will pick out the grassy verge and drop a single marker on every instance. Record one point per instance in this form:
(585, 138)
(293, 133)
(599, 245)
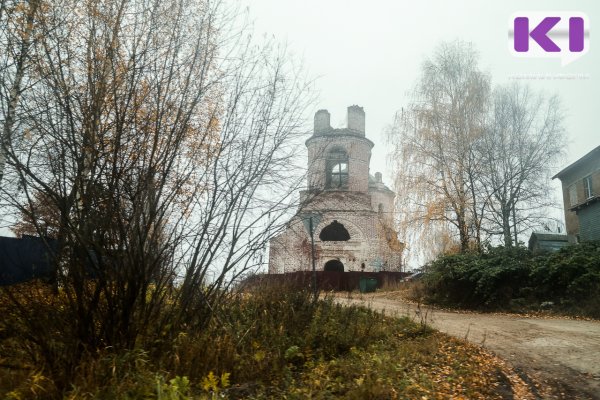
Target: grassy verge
(269, 344)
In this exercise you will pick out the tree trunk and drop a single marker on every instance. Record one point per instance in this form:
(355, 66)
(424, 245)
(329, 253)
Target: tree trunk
(15, 90)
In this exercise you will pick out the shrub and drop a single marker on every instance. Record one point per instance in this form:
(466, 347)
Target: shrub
(258, 339)
(487, 280)
(514, 279)
(570, 278)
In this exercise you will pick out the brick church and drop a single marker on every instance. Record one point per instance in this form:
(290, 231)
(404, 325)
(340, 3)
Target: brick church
(352, 210)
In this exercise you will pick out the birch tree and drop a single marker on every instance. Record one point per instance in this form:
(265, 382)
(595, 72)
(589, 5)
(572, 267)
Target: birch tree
(19, 21)
(472, 165)
(434, 140)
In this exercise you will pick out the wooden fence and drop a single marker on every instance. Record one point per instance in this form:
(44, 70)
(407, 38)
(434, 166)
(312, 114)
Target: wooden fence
(326, 280)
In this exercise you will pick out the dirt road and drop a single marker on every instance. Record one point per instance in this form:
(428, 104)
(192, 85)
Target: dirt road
(559, 358)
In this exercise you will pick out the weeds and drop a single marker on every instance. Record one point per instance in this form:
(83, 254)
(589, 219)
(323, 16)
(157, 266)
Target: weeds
(270, 343)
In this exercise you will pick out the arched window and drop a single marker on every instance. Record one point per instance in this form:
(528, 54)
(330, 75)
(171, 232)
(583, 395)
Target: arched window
(337, 169)
(334, 232)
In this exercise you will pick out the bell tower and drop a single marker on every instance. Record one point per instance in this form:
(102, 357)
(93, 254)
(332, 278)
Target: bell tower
(338, 159)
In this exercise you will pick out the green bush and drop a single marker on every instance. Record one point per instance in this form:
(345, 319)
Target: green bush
(475, 280)
(514, 279)
(570, 278)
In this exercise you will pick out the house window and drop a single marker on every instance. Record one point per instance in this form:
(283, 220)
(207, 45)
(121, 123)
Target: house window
(337, 169)
(573, 195)
(587, 187)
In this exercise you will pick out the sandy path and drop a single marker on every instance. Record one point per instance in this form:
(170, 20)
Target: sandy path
(561, 357)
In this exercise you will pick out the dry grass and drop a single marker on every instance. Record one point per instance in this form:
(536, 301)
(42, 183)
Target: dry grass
(269, 344)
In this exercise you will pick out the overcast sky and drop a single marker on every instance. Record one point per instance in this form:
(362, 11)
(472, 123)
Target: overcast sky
(370, 54)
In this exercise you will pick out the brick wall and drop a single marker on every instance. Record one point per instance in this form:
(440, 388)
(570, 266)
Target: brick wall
(358, 150)
(291, 250)
(372, 241)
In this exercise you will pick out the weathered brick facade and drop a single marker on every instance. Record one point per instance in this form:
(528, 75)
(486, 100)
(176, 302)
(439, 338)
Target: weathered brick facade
(340, 191)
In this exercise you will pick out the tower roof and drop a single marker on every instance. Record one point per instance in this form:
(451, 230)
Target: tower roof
(375, 184)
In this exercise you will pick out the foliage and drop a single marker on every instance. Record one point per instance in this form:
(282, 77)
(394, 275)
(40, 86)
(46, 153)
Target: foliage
(403, 367)
(570, 277)
(514, 279)
(154, 142)
(473, 163)
(434, 139)
(270, 343)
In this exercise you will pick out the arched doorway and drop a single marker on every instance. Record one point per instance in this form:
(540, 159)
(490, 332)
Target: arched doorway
(334, 266)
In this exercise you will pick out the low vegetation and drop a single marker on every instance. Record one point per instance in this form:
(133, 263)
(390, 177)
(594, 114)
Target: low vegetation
(514, 279)
(271, 343)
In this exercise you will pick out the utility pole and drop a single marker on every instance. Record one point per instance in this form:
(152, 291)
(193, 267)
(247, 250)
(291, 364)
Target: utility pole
(311, 221)
(312, 247)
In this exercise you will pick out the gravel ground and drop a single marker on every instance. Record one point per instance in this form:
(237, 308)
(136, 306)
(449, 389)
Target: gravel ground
(559, 358)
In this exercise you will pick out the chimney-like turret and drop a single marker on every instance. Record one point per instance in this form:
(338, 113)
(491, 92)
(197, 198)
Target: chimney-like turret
(356, 119)
(322, 122)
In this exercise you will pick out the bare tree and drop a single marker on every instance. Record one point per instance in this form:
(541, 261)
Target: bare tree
(434, 141)
(18, 32)
(523, 139)
(471, 163)
(158, 153)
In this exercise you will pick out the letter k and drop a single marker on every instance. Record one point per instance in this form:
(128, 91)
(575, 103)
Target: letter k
(539, 34)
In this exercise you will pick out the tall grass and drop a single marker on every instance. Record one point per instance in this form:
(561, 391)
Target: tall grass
(257, 337)
(270, 342)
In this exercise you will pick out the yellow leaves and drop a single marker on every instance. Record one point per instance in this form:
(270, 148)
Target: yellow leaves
(225, 379)
(36, 384)
(391, 236)
(259, 355)
(14, 395)
(23, 17)
(214, 383)
(434, 209)
(213, 124)
(210, 383)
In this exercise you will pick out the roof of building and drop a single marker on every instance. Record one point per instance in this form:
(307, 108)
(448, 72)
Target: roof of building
(550, 236)
(373, 184)
(25, 258)
(548, 241)
(592, 154)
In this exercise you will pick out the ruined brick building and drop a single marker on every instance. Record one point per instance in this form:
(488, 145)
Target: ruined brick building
(355, 209)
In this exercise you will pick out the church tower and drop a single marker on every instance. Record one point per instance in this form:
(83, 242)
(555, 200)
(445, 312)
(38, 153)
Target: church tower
(355, 209)
(338, 159)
